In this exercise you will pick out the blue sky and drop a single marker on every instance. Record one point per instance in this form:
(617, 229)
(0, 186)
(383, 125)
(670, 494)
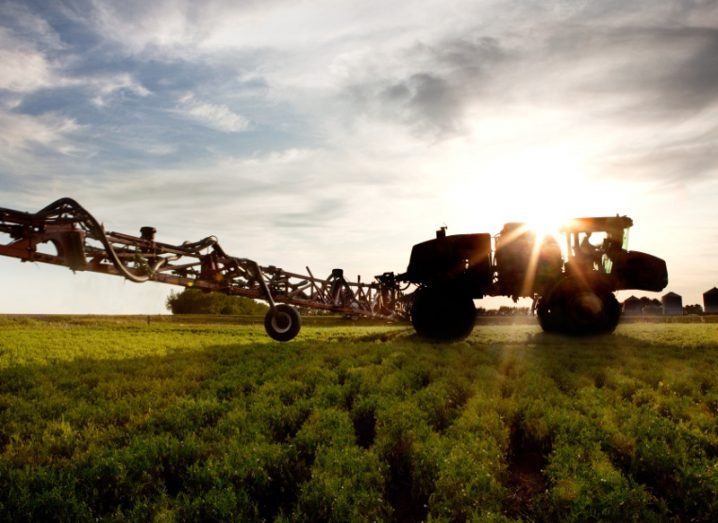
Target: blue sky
(340, 133)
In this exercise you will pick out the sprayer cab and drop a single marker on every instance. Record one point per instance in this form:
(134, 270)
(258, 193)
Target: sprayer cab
(591, 243)
(600, 246)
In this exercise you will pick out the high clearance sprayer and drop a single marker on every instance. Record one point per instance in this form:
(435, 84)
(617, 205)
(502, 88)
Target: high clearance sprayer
(572, 290)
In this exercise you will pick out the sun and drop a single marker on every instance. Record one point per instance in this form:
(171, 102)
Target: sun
(546, 225)
(541, 186)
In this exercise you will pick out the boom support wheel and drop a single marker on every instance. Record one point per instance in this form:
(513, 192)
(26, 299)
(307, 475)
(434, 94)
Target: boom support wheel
(442, 314)
(282, 322)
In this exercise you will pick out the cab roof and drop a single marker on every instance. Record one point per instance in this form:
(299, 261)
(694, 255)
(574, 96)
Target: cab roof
(597, 224)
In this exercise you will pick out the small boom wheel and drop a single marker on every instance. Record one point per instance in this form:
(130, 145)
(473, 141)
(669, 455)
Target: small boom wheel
(282, 322)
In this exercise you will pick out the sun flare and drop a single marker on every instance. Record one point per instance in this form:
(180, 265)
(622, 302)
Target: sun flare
(541, 187)
(545, 225)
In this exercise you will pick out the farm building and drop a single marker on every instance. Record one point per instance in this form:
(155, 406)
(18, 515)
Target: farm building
(672, 304)
(651, 306)
(633, 306)
(710, 301)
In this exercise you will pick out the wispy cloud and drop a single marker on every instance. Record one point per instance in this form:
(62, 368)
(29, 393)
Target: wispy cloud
(23, 70)
(21, 133)
(105, 87)
(214, 116)
(24, 66)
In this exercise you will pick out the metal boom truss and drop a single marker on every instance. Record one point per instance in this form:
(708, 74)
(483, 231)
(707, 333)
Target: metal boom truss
(82, 244)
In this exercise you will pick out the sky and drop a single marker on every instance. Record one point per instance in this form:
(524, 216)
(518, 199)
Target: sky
(338, 134)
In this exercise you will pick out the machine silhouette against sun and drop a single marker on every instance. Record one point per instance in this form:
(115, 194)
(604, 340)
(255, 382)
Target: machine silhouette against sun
(572, 292)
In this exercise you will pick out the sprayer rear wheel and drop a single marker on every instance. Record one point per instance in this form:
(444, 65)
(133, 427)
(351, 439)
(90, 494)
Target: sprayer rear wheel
(549, 314)
(578, 309)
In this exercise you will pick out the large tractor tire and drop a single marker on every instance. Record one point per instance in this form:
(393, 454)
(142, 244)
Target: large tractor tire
(578, 309)
(612, 314)
(282, 322)
(550, 314)
(442, 314)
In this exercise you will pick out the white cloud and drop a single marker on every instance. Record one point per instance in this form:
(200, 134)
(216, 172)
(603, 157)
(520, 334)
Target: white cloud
(106, 86)
(26, 65)
(214, 116)
(33, 28)
(22, 68)
(21, 132)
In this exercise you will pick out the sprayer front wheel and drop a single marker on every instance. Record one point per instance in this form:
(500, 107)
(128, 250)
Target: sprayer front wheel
(282, 322)
(442, 314)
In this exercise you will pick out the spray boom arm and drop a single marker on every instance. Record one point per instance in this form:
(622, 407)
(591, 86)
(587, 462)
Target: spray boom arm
(82, 244)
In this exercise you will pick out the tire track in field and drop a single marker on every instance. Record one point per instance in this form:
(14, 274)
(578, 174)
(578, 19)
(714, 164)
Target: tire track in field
(526, 457)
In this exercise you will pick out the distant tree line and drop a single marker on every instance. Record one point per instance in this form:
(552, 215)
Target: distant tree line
(651, 306)
(504, 310)
(693, 309)
(195, 301)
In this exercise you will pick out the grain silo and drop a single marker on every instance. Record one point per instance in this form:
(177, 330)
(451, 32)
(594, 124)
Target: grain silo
(672, 304)
(633, 306)
(710, 301)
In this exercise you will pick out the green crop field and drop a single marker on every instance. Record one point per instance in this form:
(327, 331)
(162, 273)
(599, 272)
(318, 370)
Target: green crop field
(125, 420)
